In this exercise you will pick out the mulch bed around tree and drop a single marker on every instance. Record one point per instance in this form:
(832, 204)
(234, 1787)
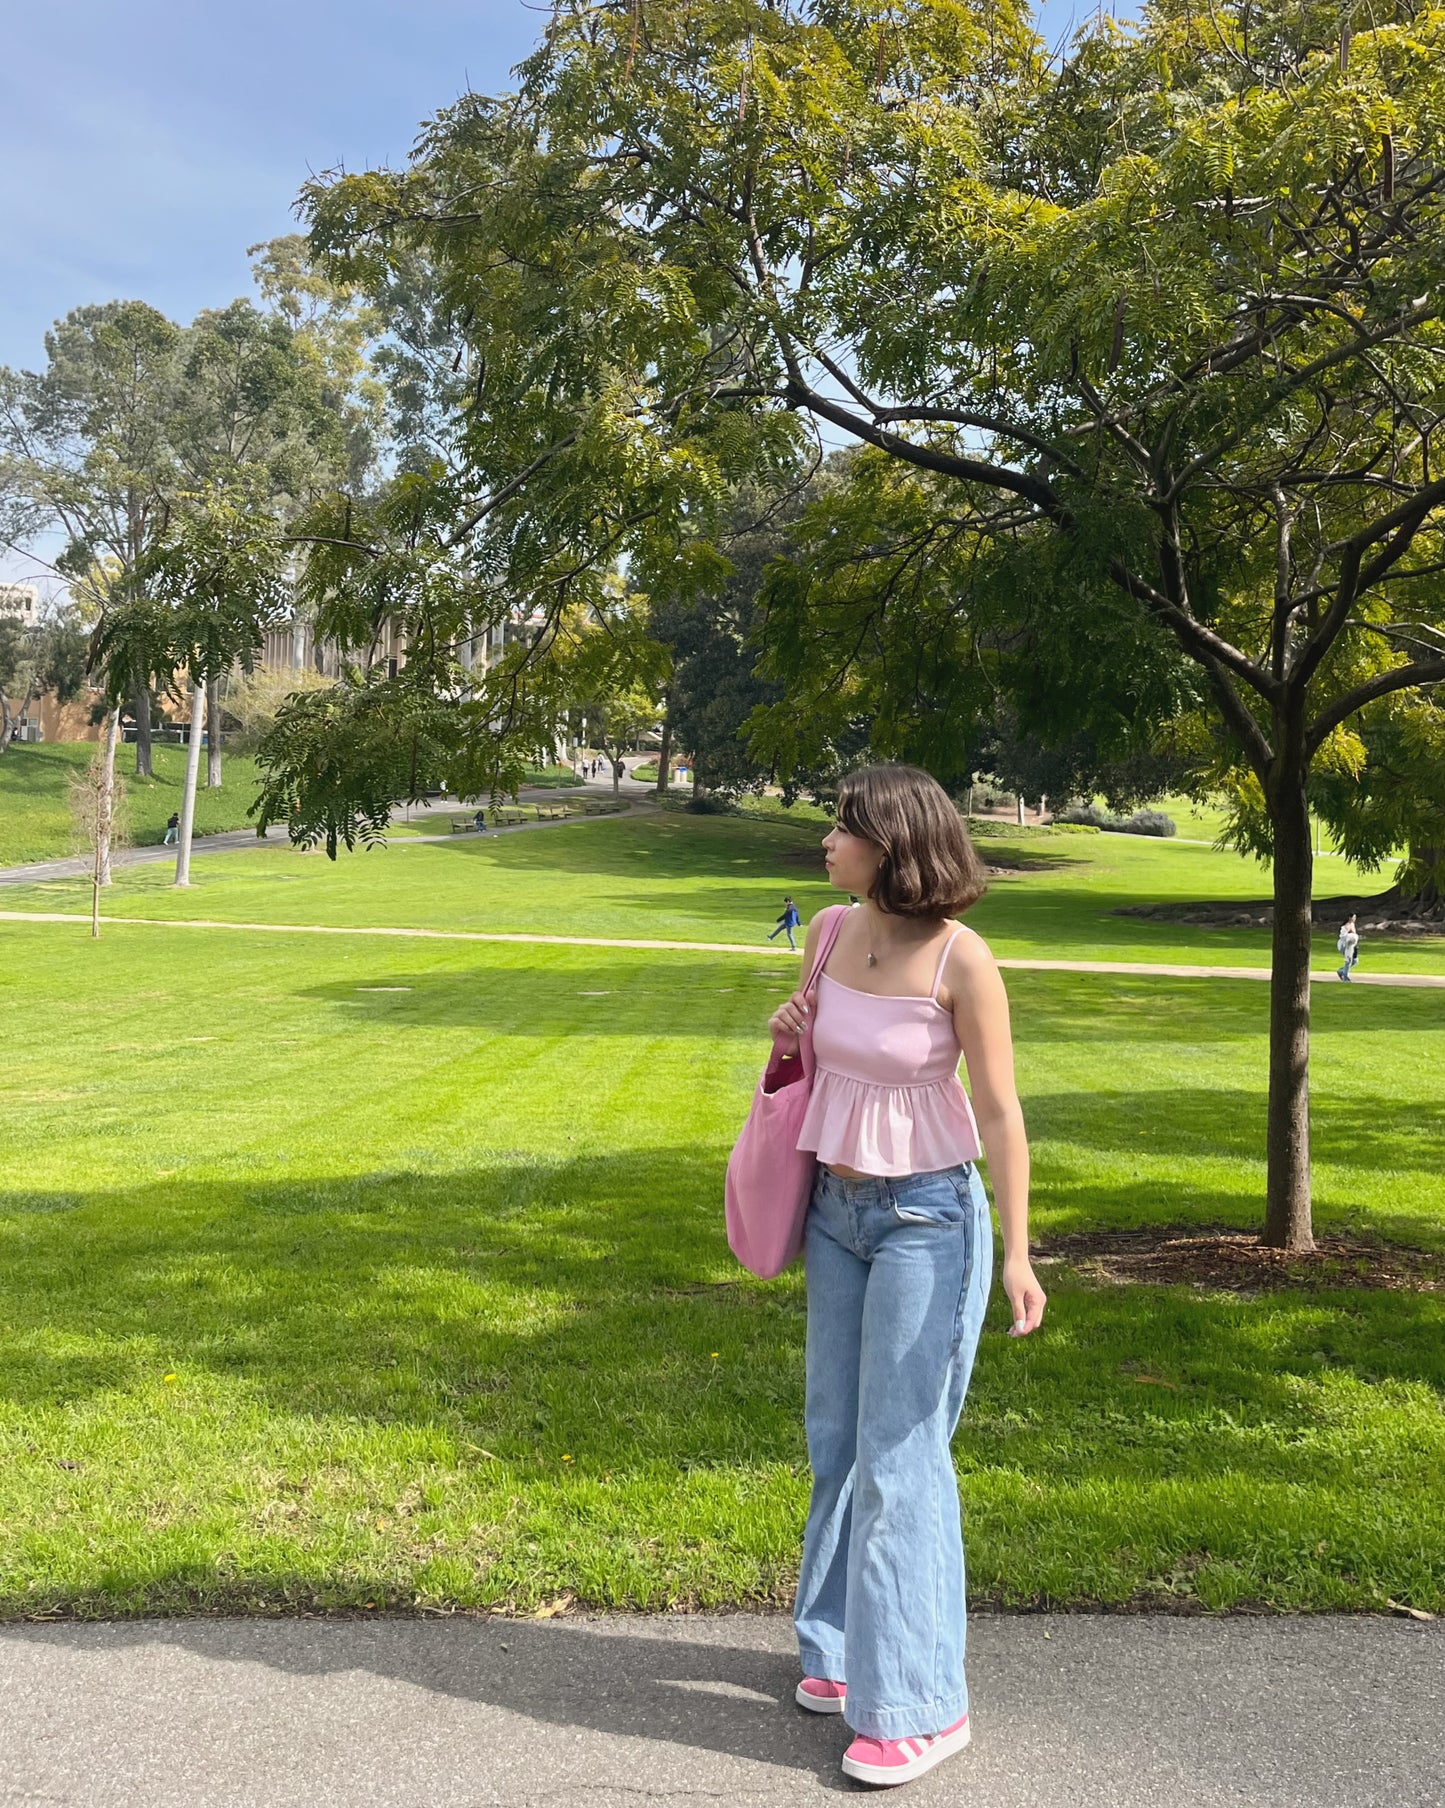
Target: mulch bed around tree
(1239, 1262)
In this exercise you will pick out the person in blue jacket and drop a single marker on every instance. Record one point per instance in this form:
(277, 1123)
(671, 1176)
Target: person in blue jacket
(788, 921)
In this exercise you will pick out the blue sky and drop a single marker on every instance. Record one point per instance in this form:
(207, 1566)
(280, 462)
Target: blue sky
(145, 145)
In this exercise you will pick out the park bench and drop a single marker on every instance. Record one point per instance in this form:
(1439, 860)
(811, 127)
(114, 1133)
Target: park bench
(463, 825)
(507, 816)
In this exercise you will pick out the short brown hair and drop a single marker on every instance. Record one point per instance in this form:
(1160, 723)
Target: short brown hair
(929, 865)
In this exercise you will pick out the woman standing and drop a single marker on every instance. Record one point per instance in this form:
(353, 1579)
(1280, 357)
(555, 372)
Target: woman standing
(899, 1258)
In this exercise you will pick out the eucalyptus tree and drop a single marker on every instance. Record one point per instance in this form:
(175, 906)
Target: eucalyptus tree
(1170, 307)
(86, 451)
(133, 413)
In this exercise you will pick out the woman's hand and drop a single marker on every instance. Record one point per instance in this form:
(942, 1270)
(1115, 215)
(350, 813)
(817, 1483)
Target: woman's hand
(786, 1023)
(1024, 1294)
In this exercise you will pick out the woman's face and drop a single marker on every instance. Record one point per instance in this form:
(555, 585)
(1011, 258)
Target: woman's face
(851, 861)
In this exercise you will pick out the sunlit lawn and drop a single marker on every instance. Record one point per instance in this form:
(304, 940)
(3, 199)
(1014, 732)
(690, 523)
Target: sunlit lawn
(338, 1270)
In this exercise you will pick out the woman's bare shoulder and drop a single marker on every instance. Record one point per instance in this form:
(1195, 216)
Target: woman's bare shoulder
(969, 951)
(970, 970)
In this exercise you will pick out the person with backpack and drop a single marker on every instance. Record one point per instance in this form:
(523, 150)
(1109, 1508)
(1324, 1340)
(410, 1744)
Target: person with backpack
(898, 1257)
(1349, 946)
(789, 921)
(173, 829)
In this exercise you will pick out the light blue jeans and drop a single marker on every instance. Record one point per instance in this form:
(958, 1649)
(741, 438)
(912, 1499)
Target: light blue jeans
(898, 1277)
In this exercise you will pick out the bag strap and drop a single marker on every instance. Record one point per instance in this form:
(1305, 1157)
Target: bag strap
(833, 922)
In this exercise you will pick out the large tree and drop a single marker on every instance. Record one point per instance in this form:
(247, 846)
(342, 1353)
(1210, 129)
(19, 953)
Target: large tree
(1170, 308)
(133, 414)
(87, 453)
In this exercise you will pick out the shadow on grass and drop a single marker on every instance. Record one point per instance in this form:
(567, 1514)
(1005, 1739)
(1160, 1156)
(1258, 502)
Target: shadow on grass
(616, 994)
(585, 1306)
(582, 996)
(1121, 1008)
(1360, 1131)
(695, 846)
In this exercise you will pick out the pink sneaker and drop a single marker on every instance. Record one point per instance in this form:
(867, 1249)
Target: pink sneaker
(820, 1697)
(890, 1761)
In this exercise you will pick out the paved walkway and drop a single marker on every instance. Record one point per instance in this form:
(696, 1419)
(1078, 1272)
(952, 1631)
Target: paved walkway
(1112, 968)
(1069, 1712)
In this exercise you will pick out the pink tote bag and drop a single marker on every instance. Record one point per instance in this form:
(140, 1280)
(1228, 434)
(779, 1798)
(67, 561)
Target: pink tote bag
(769, 1179)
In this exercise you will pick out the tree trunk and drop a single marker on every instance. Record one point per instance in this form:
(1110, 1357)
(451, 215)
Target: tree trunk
(142, 706)
(616, 759)
(664, 752)
(7, 716)
(1426, 865)
(1287, 1220)
(213, 735)
(105, 816)
(188, 797)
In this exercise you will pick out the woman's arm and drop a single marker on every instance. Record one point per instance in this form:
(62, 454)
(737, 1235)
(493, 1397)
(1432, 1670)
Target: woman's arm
(981, 1018)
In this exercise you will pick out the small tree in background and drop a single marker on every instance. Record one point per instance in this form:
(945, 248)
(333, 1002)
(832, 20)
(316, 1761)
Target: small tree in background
(222, 570)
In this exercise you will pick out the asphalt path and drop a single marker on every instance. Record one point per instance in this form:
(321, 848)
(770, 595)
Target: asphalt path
(1068, 1712)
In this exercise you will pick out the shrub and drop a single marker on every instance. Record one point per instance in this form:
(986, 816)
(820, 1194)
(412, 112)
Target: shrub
(1150, 822)
(1142, 822)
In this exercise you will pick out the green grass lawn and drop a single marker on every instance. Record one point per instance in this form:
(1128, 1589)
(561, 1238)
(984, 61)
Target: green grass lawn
(672, 876)
(336, 1271)
(35, 818)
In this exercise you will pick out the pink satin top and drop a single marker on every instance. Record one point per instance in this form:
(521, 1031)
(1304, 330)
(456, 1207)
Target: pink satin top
(886, 1095)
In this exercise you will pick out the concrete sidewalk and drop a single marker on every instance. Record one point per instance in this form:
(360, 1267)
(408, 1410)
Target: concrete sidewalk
(1069, 1712)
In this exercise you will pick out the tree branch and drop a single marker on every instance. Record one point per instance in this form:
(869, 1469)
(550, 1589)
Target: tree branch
(1398, 678)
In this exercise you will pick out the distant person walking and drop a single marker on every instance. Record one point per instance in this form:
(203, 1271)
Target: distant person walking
(788, 921)
(1349, 946)
(173, 829)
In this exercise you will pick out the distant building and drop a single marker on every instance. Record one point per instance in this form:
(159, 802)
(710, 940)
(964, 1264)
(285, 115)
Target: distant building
(22, 601)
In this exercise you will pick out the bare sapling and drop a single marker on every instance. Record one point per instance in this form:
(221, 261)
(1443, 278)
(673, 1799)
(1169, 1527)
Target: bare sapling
(98, 806)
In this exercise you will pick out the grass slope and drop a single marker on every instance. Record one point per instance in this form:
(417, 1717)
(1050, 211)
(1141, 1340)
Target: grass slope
(35, 819)
(345, 1271)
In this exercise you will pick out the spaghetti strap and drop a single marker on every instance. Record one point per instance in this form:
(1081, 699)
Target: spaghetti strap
(938, 974)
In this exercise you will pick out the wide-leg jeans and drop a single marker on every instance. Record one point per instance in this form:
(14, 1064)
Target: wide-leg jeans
(898, 1274)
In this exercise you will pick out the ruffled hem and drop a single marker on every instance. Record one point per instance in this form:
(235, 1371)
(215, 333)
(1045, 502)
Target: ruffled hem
(888, 1130)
